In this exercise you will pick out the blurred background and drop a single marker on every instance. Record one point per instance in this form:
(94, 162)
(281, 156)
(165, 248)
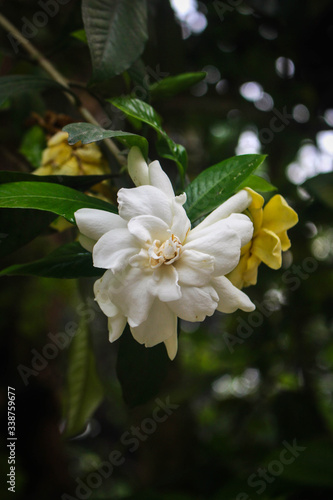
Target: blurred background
(248, 399)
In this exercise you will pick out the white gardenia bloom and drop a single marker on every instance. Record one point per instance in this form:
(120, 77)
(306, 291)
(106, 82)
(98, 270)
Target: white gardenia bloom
(157, 268)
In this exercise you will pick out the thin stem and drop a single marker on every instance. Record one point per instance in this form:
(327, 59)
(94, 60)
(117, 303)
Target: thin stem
(58, 77)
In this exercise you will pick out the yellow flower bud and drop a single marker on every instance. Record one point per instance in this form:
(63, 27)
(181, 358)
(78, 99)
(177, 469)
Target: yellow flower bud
(59, 158)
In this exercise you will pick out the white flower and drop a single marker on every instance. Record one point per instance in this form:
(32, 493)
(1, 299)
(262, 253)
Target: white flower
(157, 267)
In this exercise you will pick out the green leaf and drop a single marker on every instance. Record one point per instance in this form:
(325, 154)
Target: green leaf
(86, 133)
(32, 145)
(60, 200)
(217, 183)
(321, 188)
(18, 227)
(69, 261)
(257, 183)
(84, 389)
(116, 33)
(173, 85)
(167, 148)
(80, 35)
(80, 182)
(21, 84)
(140, 369)
(140, 110)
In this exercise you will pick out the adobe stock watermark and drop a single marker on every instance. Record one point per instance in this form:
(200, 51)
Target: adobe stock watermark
(58, 342)
(292, 278)
(131, 439)
(277, 124)
(264, 476)
(30, 27)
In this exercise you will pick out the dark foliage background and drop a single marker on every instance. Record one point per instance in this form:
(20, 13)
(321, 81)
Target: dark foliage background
(245, 385)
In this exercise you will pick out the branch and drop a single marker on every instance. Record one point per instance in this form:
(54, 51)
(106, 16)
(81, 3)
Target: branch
(58, 77)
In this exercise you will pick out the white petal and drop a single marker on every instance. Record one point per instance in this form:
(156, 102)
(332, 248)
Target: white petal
(137, 167)
(164, 283)
(159, 179)
(236, 204)
(196, 303)
(94, 223)
(219, 241)
(180, 222)
(231, 298)
(149, 228)
(222, 240)
(114, 249)
(141, 259)
(181, 198)
(242, 224)
(102, 289)
(116, 320)
(160, 325)
(144, 200)
(171, 345)
(86, 242)
(194, 268)
(116, 326)
(134, 297)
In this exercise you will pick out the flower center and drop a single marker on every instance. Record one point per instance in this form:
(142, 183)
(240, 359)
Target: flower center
(165, 253)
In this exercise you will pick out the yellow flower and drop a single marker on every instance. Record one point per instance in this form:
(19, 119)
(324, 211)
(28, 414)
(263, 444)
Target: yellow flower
(269, 238)
(59, 158)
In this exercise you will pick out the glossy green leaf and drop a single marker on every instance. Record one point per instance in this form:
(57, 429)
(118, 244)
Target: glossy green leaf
(167, 148)
(116, 32)
(173, 85)
(140, 369)
(18, 227)
(21, 84)
(60, 200)
(33, 144)
(84, 388)
(257, 184)
(69, 261)
(140, 110)
(86, 133)
(217, 183)
(321, 188)
(80, 182)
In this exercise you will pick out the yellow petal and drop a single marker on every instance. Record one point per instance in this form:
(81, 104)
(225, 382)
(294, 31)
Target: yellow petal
(58, 138)
(90, 153)
(236, 276)
(251, 274)
(246, 271)
(257, 199)
(246, 248)
(267, 247)
(57, 155)
(255, 209)
(285, 241)
(47, 170)
(278, 215)
(90, 169)
(70, 167)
